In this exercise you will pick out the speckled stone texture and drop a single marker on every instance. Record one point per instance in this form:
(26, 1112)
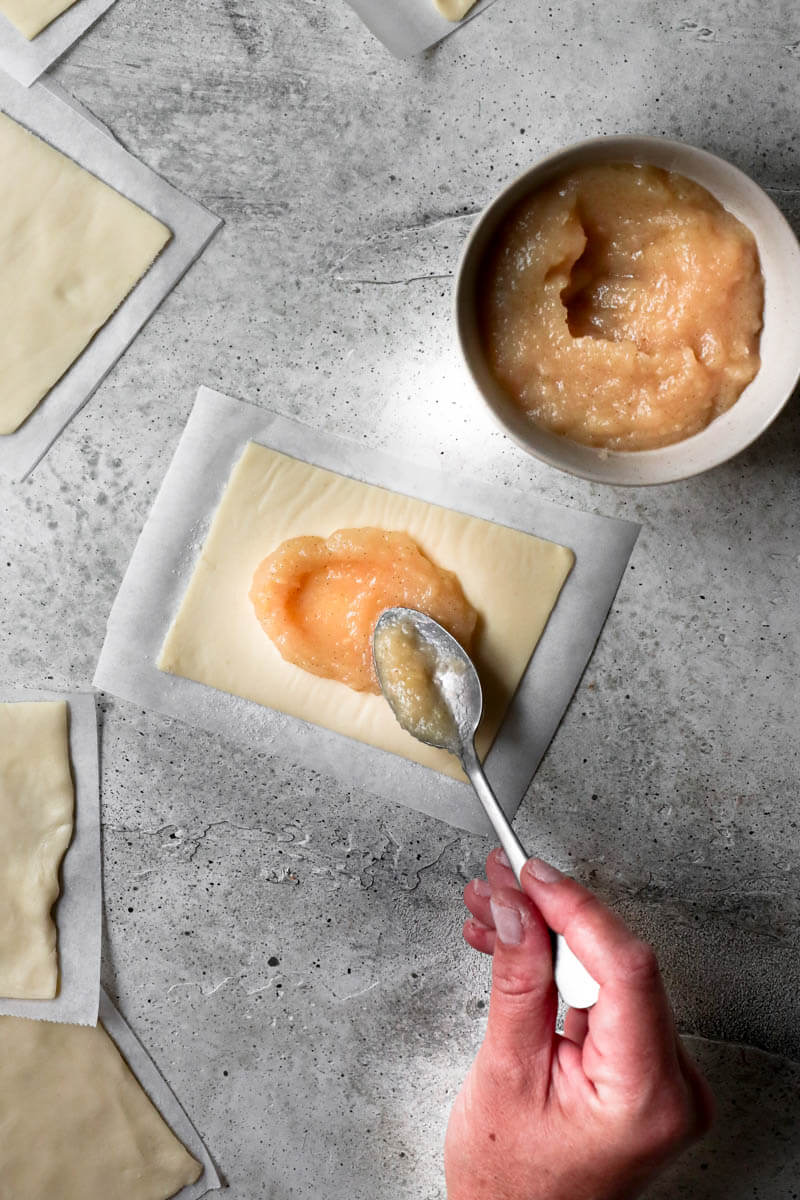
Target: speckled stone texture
(290, 951)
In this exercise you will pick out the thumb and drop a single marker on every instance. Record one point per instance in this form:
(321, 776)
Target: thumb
(523, 1004)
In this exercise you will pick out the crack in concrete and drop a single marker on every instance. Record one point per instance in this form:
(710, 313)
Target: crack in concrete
(391, 282)
(194, 983)
(343, 999)
(185, 835)
(419, 871)
(199, 838)
(361, 992)
(431, 221)
(136, 830)
(373, 256)
(365, 867)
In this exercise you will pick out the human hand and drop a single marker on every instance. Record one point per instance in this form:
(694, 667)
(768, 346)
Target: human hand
(592, 1115)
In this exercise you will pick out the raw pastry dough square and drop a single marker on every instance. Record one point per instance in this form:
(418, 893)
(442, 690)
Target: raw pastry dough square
(75, 1124)
(511, 578)
(36, 811)
(32, 16)
(71, 249)
(454, 10)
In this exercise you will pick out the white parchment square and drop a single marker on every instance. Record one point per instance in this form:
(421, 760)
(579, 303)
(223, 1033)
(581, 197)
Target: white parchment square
(42, 110)
(216, 433)
(25, 60)
(410, 26)
(79, 908)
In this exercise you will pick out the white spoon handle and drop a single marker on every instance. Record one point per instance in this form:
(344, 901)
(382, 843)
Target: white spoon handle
(575, 984)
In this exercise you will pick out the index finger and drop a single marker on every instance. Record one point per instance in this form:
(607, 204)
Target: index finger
(632, 1020)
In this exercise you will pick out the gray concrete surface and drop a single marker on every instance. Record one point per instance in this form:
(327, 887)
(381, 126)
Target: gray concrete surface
(289, 950)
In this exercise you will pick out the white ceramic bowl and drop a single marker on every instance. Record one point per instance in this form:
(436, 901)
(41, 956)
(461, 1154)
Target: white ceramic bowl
(759, 403)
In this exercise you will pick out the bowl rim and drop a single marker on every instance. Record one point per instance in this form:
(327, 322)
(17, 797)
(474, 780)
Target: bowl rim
(492, 215)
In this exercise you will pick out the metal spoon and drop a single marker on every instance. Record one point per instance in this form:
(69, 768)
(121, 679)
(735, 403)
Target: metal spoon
(456, 681)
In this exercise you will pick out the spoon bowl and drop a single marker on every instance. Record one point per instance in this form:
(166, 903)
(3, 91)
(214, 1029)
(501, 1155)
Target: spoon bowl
(453, 675)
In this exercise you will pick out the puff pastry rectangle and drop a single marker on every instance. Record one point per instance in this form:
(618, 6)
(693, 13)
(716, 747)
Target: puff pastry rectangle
(32, 16)
(71, 249)
(454, 10)
(75, 1122)
(511, 578)
(36, 815)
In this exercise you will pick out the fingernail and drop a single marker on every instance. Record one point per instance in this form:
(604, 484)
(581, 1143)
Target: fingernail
(502, 858)
(507, 922)
(481, 888)
(542, 871)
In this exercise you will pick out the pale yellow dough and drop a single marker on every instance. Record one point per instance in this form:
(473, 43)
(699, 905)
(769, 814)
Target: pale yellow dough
(36, 813)
(71, 249)
(454, 10)
(76, 1125)
(32, 16)
(511, 578)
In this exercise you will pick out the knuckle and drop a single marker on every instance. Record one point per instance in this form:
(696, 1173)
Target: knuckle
(522, 987)
(637, 963)
(677, 1122)
(667, 1120)
(581, 900)
(582, 907)
(522, 974)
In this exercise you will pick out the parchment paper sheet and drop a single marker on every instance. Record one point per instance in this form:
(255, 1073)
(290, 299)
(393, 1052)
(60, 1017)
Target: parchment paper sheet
(49, 84)
(163, 560)
(146, 1072)
(78, 910)
(410, 26)
(58, 122)
(25, 60)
